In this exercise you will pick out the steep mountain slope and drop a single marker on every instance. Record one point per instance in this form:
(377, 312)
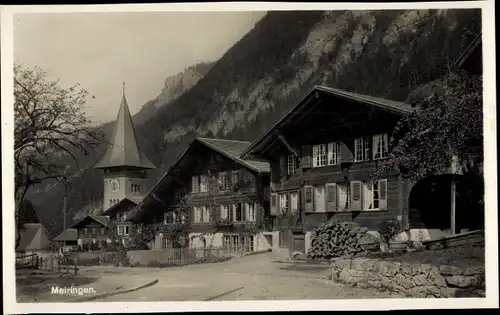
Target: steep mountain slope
(173, 87)
(382, 53)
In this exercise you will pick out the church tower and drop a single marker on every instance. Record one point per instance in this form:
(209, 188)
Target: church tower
(124, 163)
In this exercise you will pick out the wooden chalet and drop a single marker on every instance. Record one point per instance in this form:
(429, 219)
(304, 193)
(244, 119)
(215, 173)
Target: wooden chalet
(220, 198)
(93, 231)
(322, 154)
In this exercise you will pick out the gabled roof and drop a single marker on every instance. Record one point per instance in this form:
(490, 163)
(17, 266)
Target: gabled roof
(97, 218)
(67, 235)
(474, 45)
(34, 236)
(231, 149)
(133, 200)
(395, 107)
(124, 149)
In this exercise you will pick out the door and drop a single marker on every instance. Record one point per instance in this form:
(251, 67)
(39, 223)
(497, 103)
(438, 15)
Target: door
(298, 243)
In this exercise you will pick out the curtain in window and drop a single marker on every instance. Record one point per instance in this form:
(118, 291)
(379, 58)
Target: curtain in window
(319, 192)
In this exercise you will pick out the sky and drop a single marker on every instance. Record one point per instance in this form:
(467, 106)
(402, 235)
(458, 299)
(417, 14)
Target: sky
(101, 50)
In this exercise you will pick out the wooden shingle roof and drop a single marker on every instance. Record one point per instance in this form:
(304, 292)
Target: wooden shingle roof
(67, 235)
(395, 107)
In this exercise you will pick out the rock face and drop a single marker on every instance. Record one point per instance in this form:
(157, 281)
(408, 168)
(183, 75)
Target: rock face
(410, 280)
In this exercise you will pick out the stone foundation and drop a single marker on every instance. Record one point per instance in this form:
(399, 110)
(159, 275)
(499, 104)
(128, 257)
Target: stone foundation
(409, 280)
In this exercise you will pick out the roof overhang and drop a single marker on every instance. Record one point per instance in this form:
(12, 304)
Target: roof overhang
(472, 54)
(118, 205)
(315, 93)
(77, 223)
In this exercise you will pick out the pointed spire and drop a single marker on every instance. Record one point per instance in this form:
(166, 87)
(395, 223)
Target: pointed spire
(123, 149)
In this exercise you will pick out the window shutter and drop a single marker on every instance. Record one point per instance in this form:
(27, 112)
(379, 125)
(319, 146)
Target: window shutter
(306, 161)
(242, 175)
(232, 216)
(274, 204)
(382, 188)
(331, 197)
(195, 184)
(244, 210)
(345, 153)
(283, 166)
(356, 195)
(367, 149)
(308, 198)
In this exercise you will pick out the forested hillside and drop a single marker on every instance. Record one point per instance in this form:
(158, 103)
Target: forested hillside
(381, 53)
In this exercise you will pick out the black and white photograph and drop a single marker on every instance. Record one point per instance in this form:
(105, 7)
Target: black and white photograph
(328, 156)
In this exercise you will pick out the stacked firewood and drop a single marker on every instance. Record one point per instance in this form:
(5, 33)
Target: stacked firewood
(340, 239)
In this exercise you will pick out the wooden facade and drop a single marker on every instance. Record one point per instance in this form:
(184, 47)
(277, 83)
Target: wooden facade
(323, 154)
(210, 189)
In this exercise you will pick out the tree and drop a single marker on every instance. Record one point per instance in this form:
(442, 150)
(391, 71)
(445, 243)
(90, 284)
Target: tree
(27, 212)
(50, 126)
(447, 124)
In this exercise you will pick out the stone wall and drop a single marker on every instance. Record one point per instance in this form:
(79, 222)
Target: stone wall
(410, 280)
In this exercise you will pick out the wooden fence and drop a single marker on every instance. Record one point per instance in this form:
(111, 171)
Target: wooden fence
(185, 256)
(53, 263)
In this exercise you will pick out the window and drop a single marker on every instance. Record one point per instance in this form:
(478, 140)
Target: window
(197, 215)
(168, 218)
(223, 180)
(203, 183)
(235, 177)
(237, 212)
(93, 231)
(294, 202)
(249, 176)
(250, 243)
(235, 240)
(120, 229)
(224, 212)
(182, 218)
(319, 198)
(85, 231)
(110, 202)
(250, 209)
(343, 197)
(319, 155)
(292, 164)
(333, 153)
(283, 203)
(375, 195)
(103, 231)
(195, 184)
(127, 229)
(361, 149)
(226, 241)
(206, 214)
(380, 146)
(166, 243)
(215, 158)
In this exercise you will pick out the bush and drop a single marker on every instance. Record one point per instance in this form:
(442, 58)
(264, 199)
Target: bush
(340, 238)
(388, 229)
